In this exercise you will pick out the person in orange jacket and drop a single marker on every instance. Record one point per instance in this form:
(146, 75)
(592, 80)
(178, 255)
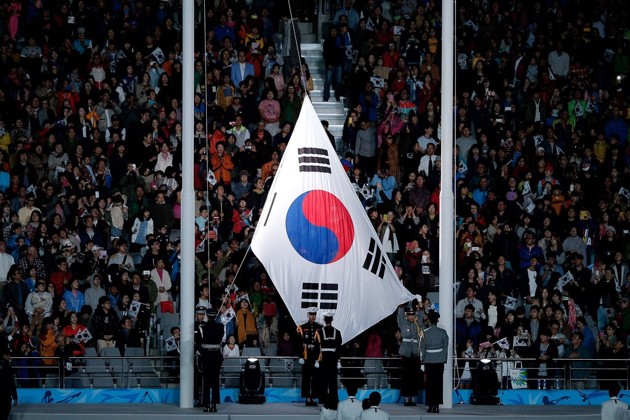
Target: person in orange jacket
(222, 165)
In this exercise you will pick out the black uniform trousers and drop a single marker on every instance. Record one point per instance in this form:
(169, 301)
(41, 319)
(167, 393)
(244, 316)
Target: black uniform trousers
(435, 377)
(410, 381)
(212, 361)
(327, 377)
(5, 406)
(309, 379)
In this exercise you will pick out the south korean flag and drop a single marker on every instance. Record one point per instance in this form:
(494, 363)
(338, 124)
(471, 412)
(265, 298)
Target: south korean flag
(510, 303)
(564, 280)
(134, 309)
(159, 55)
(212, 180)
(83, 336)
(313, 228)
(170, 344)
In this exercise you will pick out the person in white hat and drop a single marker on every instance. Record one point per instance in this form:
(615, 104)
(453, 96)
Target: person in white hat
(330, 347)
(310, 332)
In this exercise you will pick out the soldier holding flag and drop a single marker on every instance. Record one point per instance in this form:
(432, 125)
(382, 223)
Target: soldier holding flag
(210, 335)
(411, 332)
(330, 346)
(310, 332)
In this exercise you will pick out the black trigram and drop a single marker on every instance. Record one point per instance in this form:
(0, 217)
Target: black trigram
(313, 159)
(320, 295)
(374, 260)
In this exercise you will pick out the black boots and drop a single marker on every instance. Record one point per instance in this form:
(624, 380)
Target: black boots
(211, 409)
(433, 409)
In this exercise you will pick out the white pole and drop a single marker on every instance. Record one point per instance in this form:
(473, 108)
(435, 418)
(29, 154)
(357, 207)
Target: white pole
(187, 288)
(447, 203)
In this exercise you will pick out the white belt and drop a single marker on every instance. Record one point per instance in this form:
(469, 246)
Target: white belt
(434, 350)
(328, 349)
(410, 340)
(210, 346)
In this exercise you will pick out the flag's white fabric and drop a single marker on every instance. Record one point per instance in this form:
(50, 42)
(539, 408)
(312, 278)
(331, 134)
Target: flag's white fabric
(503, 343)
(564, 280)
(170, 344)
(510, 303)
(134, 309)
(315, 239)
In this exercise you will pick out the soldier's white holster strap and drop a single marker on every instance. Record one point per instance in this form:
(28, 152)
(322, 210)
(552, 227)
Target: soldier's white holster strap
(328, 349)
(310, 346)
(410, 340)
(434, 350)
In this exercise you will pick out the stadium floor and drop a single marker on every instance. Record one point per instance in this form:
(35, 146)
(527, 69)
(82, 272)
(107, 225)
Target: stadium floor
(289, 411)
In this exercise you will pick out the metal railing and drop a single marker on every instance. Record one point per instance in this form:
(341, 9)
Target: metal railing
(96, 372)
(285, 372)
(575, 374)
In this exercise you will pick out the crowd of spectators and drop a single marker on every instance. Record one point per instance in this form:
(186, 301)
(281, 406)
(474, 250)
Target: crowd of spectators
(541, 167)
(90, 155)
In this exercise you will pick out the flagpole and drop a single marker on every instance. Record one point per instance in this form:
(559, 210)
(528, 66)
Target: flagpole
(187, 292)
(447, 214)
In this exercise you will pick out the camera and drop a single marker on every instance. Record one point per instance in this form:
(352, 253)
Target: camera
(146, 273)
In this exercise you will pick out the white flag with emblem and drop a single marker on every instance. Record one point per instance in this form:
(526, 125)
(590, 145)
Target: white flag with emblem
(316, 241)
(564, 280)
(503, 343)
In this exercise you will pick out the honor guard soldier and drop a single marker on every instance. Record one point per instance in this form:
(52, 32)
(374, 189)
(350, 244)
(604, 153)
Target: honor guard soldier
(8, 391)
(434, 351)
(331, 345)
(411, 331)
(209, 347)
(200, 321)
(310, 332)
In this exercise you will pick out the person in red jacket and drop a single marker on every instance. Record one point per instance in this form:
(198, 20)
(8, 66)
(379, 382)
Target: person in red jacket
(60, 278)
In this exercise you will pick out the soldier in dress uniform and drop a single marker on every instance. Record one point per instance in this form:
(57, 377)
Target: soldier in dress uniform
(209, 347)
(200, 321)
(310, 332)
(411, 332)
(8, 391)
(330, 346)
(434, 351)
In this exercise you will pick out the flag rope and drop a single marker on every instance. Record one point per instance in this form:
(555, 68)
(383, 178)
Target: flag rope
(299, 48)
(235, 277)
